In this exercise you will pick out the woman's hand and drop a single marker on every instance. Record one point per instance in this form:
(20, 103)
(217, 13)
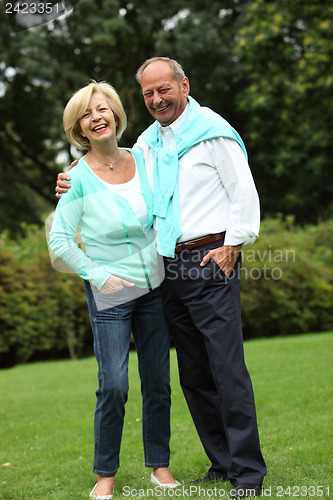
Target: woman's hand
(114, 283)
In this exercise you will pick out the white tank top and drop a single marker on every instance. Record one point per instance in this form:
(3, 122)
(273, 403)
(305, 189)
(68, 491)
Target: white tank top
(131, 192)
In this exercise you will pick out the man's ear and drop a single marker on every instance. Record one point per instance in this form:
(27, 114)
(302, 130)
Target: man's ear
(186, 86)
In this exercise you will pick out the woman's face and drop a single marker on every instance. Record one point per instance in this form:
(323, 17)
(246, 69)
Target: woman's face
(98, 123)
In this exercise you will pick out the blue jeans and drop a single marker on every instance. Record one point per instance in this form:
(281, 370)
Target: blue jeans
(112, 330)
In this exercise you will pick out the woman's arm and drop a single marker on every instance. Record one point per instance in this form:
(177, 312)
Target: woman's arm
(66, 220)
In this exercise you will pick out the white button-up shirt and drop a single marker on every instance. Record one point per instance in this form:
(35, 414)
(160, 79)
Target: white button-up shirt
(216, 188)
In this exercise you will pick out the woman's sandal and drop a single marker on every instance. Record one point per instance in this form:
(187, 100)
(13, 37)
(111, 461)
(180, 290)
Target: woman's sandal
(96, 497)
(155, 481)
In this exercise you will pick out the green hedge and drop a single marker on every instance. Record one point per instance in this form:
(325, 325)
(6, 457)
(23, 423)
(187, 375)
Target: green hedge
(287, 285)
(43, 313)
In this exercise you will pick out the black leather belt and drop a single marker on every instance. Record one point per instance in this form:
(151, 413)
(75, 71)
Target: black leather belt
(189, 245)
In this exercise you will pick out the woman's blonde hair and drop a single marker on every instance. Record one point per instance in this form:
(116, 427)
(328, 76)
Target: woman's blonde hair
(78, 104)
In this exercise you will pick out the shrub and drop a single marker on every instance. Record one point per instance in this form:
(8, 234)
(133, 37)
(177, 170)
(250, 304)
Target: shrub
(43, 313)
(287, 285)
(287, 279)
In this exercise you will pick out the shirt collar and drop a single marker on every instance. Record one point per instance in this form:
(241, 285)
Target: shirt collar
(176, 125)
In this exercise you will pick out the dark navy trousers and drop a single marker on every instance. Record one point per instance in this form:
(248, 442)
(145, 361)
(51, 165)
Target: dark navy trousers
(203, 311)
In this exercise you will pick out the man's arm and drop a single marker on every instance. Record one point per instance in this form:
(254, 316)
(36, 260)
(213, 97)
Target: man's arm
(63, 186)
(243, 227)
(236, 177)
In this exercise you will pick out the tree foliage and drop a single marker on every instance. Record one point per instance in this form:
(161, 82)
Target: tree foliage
(285, 54)
(265, 66)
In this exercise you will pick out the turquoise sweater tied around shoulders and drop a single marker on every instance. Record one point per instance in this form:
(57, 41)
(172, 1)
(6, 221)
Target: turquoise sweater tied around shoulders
(201, 124)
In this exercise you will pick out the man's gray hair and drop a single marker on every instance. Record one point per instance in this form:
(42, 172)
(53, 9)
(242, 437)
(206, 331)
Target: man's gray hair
(176, 68)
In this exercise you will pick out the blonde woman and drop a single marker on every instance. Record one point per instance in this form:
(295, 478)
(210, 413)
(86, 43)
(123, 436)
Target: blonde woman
(110, 200)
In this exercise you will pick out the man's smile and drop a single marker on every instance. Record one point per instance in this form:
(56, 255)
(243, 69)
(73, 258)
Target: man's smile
(163, 108)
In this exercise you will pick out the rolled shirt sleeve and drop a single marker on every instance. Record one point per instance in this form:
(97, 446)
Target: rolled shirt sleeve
(236, 177)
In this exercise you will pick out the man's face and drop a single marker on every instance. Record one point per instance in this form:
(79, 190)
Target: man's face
(164, 97)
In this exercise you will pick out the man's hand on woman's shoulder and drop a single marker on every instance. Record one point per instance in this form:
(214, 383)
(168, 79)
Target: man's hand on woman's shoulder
(63, 186)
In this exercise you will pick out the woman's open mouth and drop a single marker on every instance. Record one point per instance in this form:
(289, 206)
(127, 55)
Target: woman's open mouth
(99, 128)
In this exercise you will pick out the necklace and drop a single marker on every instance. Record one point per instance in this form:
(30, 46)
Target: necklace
(108, 164)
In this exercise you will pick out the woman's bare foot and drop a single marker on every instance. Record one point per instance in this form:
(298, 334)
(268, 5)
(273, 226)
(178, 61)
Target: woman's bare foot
(104, 486)
(164, 476)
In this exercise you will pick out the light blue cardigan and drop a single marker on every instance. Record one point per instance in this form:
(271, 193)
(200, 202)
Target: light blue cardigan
(201, 124)
(115, 241)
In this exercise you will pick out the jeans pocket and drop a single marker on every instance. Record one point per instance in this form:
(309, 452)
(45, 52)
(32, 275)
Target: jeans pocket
(217, 272)
(235, 272)
(114, 292)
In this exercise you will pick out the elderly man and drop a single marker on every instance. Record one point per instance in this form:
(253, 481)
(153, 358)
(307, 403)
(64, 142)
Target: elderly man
(206, 207)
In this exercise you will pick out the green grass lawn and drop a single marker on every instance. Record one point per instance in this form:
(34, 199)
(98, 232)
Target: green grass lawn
(46, 427)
